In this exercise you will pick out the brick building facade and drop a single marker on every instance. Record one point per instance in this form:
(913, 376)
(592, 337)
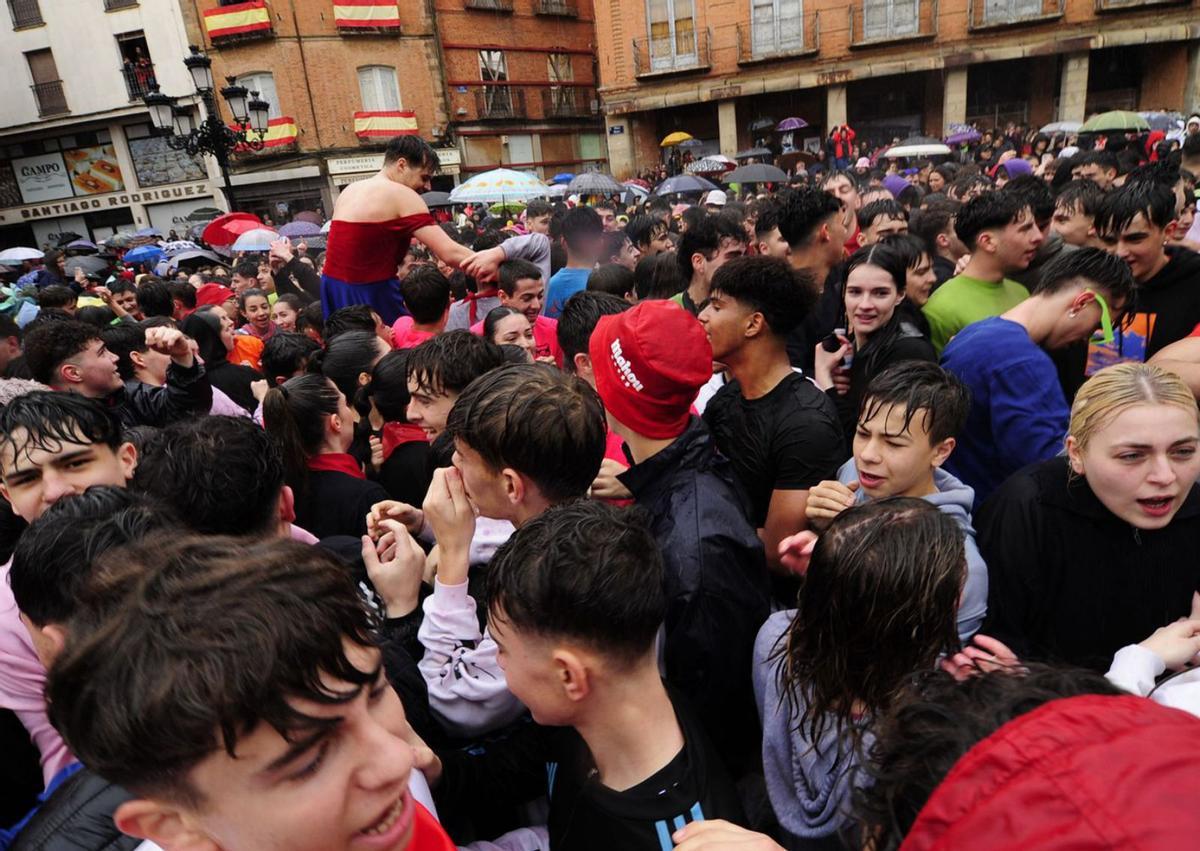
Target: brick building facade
(886, 67)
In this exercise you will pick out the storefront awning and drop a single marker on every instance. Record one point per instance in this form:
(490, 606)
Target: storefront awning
(238, 19)
(280, 131)
(366, 13)
(384, 125)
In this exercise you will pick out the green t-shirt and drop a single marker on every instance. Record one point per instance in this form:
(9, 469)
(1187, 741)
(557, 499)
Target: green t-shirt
(962, 300)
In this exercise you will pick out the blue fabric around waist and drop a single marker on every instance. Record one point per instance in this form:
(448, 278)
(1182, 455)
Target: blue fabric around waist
(383, 296)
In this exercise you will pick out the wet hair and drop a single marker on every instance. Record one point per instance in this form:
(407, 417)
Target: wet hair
(97, 315)
(56, 296)
(426, 293)
(834, 173)
(932, 220)
(1094, 266)
(767, 219)
(1120, 207)
(287, 353)
(493, 318)
(880, 209)
(253, 292)
(693, 216)
(802, 211)
(233, 472)
(770, 286)
(1114, 389)
(413, 149)
(705, 238)
(612, 279)
(312, 316)
(579, 225)
(582, 572)
(578, 320)
(55, 555)
(537, 208)
(246, 269)
(934, 724)
(1035, 193)
(345, 359)
(271, 621)
(449, 362)
(154, 298)
(989, 211)
(614, 241)
(643, 229)
(658, 276)
(123, 340)
(1107, 160)
(389, 387)
(512, 271)
(924, 388)
(536, 419)
(185, 294)
(909, 247)
(878, 604)
(9, 328)
(50, 418)
(885, 257)
(294, 414)
(50, 344)
(1079, 195)
(353, 317)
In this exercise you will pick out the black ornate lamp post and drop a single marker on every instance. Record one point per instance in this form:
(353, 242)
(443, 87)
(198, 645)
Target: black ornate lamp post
(210, 136)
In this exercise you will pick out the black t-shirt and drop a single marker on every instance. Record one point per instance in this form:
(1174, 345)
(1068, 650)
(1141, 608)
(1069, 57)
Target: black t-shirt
(789, 439)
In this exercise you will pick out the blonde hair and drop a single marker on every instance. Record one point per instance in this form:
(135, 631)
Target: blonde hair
(1116, 388)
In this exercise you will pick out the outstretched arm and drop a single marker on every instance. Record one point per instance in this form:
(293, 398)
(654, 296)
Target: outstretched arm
(447, 250)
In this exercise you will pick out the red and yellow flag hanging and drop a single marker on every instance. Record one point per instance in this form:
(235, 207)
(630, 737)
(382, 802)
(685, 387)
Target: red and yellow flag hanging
(384, 125)
(280, 131)
(237, 19)
(366, 13)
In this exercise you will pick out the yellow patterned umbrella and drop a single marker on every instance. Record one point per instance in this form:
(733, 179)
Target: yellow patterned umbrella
(675, 138)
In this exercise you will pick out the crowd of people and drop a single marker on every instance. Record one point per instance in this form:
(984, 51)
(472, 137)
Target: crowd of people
(859, 513)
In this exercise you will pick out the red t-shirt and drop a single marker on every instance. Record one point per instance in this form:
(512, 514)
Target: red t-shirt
(403, 335)
(545, 337)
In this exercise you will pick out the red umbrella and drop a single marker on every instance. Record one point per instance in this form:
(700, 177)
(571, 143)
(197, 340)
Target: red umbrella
(223, 230)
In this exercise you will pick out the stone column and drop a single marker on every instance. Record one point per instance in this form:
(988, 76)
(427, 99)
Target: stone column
(620, 146)
(727, 125)
(954, 102)
(835, 107)
(1072, 92)
(1191, 88)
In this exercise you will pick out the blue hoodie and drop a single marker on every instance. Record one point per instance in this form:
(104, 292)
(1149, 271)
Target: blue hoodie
(954, 498)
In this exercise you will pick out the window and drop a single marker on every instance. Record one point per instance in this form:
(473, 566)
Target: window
(1011, 10)
(136, 67)
(672, 31)
(558, 70)
(493, 67)
(47, 87)
(889, 18)
(25, 13)
(377, 83)
(520, 149)
(778, 25)
(263, 83)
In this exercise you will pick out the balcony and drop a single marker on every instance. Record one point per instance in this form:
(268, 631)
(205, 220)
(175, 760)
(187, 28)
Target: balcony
(25, 13)
(116, 5)
(1134, 5)
(503, 102)
(51, 99)
(559, 8)
(998, 14)
(489, 5)
(686, 52)
(786, 38)
(139, 80)
(567, 102)
(879, 22)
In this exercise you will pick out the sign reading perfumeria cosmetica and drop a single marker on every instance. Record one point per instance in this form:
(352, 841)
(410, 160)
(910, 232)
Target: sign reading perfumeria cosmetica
(108, 201)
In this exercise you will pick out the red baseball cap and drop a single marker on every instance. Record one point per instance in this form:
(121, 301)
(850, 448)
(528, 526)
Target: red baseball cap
(213, 294)
(649, 363)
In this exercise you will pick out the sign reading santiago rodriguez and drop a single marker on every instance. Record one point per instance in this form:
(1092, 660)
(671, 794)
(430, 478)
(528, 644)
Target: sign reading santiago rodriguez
(105, 202)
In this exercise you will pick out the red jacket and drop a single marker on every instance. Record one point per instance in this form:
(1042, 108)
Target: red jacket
(1080, 773)
(841, 141)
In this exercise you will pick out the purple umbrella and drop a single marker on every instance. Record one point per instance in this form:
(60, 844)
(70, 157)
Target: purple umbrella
(308, 216)
(791, 124)
(962, 134)
(299, 228)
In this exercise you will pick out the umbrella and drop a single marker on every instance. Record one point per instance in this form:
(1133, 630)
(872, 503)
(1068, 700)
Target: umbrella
(691, 143)
(85, 245)
(224, 229)
(120, 240)
(325, 227)
(16, 256)
(556, 190)
(791, 124)
(684, 183)
(315, 242)
(310, 216)
(89, 263)
(563, 177)
(761, 124)
(757, 173)
(917, 146)
(436, 199)
(499, 184)
(143, 254)
(637, 181)
(754, 152)
(148, 232)
(708, 165)
(595, 183)
(506, 208)
(204, 215)
(640, 193)
(298, 228)
(1163, 120)
(198, 257)
(67, 236)
(1113, 122)
(675, 138)
(962, 133)
(257, 239)
(178, 246)
(1061, 127)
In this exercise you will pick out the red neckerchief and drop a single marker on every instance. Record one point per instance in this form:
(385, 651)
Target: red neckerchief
(398, 434)
(472, 298)
(336, 462)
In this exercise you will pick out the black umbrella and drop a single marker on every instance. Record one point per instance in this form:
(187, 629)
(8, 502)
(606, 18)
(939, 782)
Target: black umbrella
(436, 199)
(684, 183)
(754, 152)
(594, 183)
(89, 263)
(762, 124)
(67, 237)
(756, 173)
(204, 215)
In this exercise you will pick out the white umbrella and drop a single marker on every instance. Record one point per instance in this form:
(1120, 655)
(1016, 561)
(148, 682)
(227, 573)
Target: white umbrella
(16, 256)
(917, 149)
(499, 184)
(259, 239)
(325, 227)
(556, 190)
(1061, 127)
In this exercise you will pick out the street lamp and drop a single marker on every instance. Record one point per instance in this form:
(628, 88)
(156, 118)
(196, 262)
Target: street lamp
(178, 126)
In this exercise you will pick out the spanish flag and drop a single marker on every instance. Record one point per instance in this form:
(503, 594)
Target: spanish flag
(280, 131)
(237, 19)
(366, 13)
(384, 125)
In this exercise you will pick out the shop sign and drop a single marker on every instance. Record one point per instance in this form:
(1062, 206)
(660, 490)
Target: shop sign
(110, 201)
(42, 178)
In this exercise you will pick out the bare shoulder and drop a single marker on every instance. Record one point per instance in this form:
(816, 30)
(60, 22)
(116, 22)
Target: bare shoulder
(376, 199)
